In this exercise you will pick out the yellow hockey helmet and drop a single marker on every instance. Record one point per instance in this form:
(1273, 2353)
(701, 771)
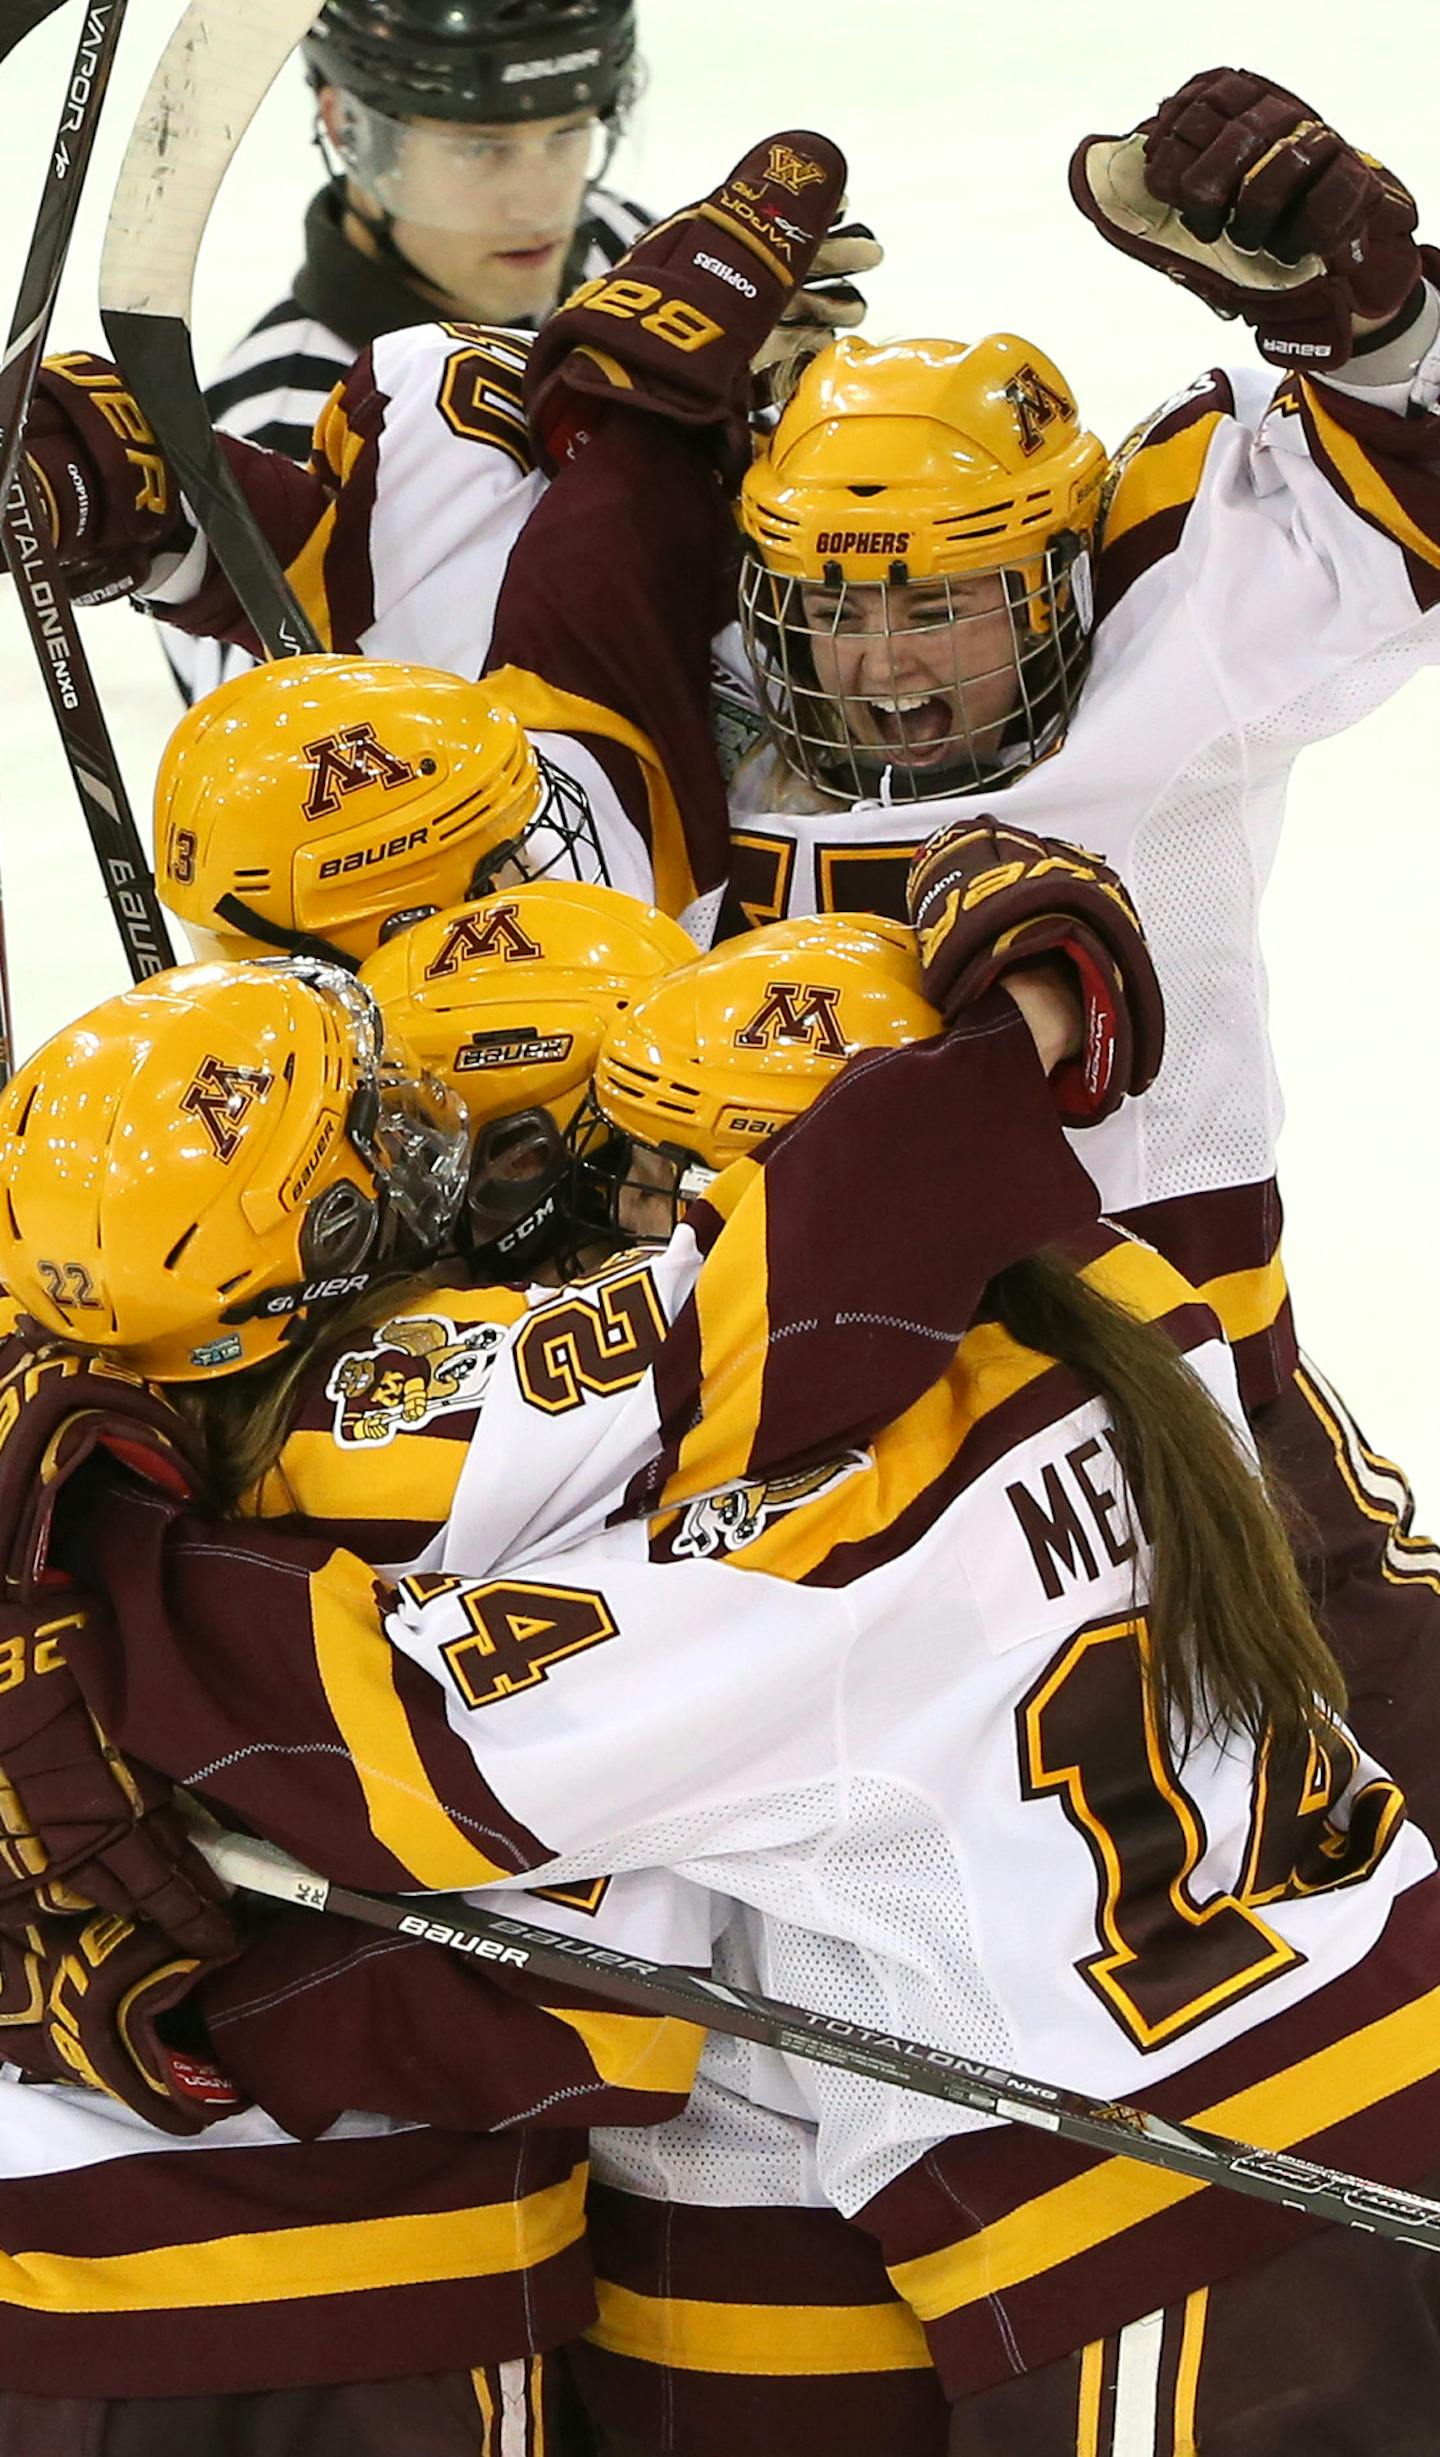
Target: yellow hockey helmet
(507, 1000)
(308, 803)
(717, 1058)
(201, 1163)
(916, 593)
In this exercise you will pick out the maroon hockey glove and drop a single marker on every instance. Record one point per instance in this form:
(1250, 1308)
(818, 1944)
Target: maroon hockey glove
(1239, 192)
(78, 1826)
(111, 495)
(673, 329)
(104, 2003)
(985, 897)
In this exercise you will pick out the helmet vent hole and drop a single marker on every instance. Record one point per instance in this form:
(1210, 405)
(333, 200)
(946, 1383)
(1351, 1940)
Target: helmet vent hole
(178, 1248)
(234, 1281)
(867, 490)
(287, 1071)
(25, 1113)
(10, 1216)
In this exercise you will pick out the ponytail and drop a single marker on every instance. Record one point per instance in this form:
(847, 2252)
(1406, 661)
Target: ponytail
(1233, 1641)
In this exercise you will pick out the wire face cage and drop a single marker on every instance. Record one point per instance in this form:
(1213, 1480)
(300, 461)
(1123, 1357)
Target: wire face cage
(910, 690)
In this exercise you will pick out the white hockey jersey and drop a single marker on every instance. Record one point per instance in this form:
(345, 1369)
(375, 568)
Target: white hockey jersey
(892, 1704)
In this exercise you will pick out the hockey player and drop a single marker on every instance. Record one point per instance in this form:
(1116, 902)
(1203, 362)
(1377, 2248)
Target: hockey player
(466, 146)
(937, 611)
(940, 1720)
(352, 2283)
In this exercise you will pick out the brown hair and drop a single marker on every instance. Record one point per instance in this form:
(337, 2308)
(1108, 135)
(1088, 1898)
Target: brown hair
(243, 1420)
(1233, 1641)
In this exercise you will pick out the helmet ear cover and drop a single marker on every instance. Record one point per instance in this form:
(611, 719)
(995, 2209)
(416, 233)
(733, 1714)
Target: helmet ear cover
(340, 1231)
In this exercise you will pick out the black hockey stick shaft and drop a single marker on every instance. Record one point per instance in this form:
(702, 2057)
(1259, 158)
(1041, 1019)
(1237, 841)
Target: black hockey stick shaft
(44, 599)
(55, 221)
(656, 1987)
(212, 76)
(84, 735)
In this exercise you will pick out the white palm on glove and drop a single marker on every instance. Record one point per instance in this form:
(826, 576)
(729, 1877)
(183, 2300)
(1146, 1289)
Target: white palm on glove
(826, 303)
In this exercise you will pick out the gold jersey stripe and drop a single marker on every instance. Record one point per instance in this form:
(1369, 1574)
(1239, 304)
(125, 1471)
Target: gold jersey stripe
(755, 2340)
(910, 1455)
(335, 448)
(306, 576)
(1337, 2082)
(1366, 485)
(637, 2051)
(1092, 2382)
(1247, 1301)
(1187, 2376)
(544, 709)
(1382, 1513)
(732, 1309)
(291, 2264)
(412, 1477)
(1159, 478)
(356, 1665)
(334, 441)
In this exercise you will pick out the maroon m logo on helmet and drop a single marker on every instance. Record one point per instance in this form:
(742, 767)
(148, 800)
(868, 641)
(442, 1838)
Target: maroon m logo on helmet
(795, 1011)
(1037, 405)
(473, 935)
(219, 1096)
(346, 761)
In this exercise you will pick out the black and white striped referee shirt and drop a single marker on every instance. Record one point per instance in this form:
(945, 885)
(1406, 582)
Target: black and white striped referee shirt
(274, 384)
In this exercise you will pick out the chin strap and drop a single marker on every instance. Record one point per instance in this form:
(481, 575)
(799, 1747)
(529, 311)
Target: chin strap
(242, 916)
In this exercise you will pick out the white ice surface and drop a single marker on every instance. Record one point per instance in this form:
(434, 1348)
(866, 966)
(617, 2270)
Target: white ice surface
(958, 122)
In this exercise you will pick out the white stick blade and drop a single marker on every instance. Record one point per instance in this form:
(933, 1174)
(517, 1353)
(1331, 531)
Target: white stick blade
(213, 75)
(259, 1868)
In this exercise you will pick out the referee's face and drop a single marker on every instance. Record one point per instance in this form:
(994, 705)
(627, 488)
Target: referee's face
(487, 213)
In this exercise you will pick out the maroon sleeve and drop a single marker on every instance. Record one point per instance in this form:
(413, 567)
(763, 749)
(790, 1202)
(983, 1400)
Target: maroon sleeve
(1384, 466)
(620, 579)
(298, 1738)
(321, 2015)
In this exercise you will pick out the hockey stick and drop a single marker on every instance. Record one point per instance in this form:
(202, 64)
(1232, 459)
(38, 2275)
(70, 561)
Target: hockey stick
(39, 581)
(822, 2038)
(19, 18)
(214, 73)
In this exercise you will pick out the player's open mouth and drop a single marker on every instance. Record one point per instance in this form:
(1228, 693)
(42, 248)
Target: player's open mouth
(915, 723)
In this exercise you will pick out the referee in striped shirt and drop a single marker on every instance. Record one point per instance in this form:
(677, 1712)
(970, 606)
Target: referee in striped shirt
(465, 141)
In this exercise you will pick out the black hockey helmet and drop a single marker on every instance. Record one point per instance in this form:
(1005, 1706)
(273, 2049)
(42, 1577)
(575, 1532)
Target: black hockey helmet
(481, 60)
